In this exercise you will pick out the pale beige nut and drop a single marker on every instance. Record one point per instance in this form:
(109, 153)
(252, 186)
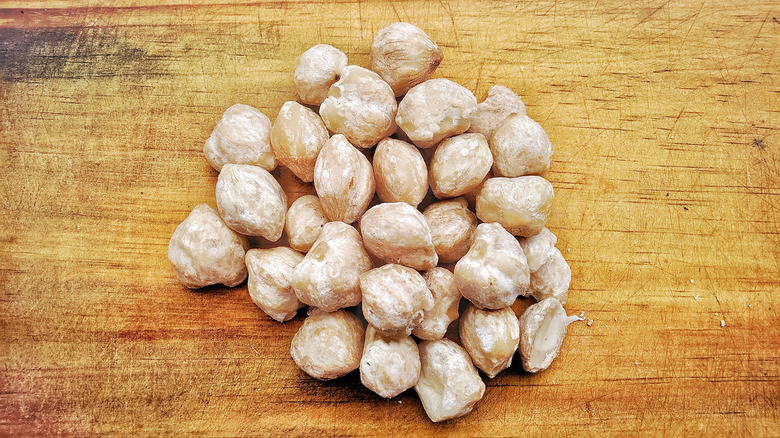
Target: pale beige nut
(404, 55)
(328, 345)
(250, 201)
(449, 386)
(494, 272)
(446, 298)
(344, 180)
(539, 248)
(361, 106)
(459, 165)
(304, 221)
(242, 136)
(520, 147)
(471, 196)
(389, 366)
(552, 279)
(400, 172)
(328, 277)
(318, 68)
(452, 227)
(398, 233)
(297, 137)
(203, 250)
(434, 110)
(520, 205)
(395, 298)
(490, 337)
(542, 328)
(500, 103)
(269, 281)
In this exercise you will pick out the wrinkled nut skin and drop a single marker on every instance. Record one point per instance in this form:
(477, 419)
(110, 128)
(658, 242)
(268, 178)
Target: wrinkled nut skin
(449, 386)
(344, 180)
(297, 137)
(400, 172)
(500, 104)
(490, 337)
(395, 298)
(304, 221)
(361, 106)
(520, 147)
(552, 279)
(459, 165)
(398, 233)
(446, 299)
(318, 68)
(404, 56)
(328, 345)
(269, 281)
(542, 328)
(494, 272)
(389, 366)
(452, 227)
(251, 201)
(434, 110)
(204, 251)
(242, 136)
(520, 205)
(539, 248)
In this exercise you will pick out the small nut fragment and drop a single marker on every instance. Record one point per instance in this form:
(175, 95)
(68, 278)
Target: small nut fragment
(452, 227)
(394, 299)
(490, 337)
(500, 104)
(459, 165)
(318, 68)
(269, 281)
(538, 248)
(389, 366)
(542, 327)
(552, 279)
(520, 147)
(328, 277)
(304, 222)
(361, 106)
(204, 251)
(434, 110)
(449, 385)
(328, 345)
(344, 180)
(520, 204)
(251, 201)
(446, 298)
(494, 271)
(400, 172)
(404, 56)
(242, 136)
(297, 137)
(398, 233)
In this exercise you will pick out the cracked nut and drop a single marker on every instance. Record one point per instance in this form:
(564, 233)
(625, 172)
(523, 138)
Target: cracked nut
(398, 233)
(304, 222)
(459, 165)
(344, 180)
(542, 328)
(242, 136)
(389, 366)
(452, 227)
(520, 204)
(297, 137)
(269, 281)
(500, 104)
(404, 56)
(318, 68)
(490, 337)
(400, 172)
(328, 345)
(446, 299)
(251, 201)
(394, 299)
(552, 279)
(520, 147)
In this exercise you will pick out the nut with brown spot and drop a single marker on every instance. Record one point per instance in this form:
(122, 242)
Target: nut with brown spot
(318, 68)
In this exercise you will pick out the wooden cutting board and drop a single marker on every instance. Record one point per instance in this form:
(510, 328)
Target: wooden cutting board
(664, 116)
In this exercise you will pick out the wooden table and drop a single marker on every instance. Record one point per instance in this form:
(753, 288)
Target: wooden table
(664, 116)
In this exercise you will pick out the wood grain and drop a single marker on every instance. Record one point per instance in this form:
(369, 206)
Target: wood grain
(664, 116)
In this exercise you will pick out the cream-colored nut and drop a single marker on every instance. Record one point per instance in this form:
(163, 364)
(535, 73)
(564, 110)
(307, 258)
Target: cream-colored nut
(404, 56)
(361, 106)
(251, 201)
(344, 180)
(449, 386)
(446, 299)
(459, 165)
(520, 147)
(471, 196)
(542, 328)
(328, 345)
(552, 279)
(395, 299)
(520, 204)
(304, 222)
(500, 104)
(490, 337)
(297, 137)
(539, 248)
(494, 271)
(269, 281)
(398, 233)
(242, 136)
(318, 68)
(400, 172)
(204, 251)
(452, 227)
(389, 366)
(434, 110)
(328, 277)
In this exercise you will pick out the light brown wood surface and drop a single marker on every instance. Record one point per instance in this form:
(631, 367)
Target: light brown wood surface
(664, 116)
